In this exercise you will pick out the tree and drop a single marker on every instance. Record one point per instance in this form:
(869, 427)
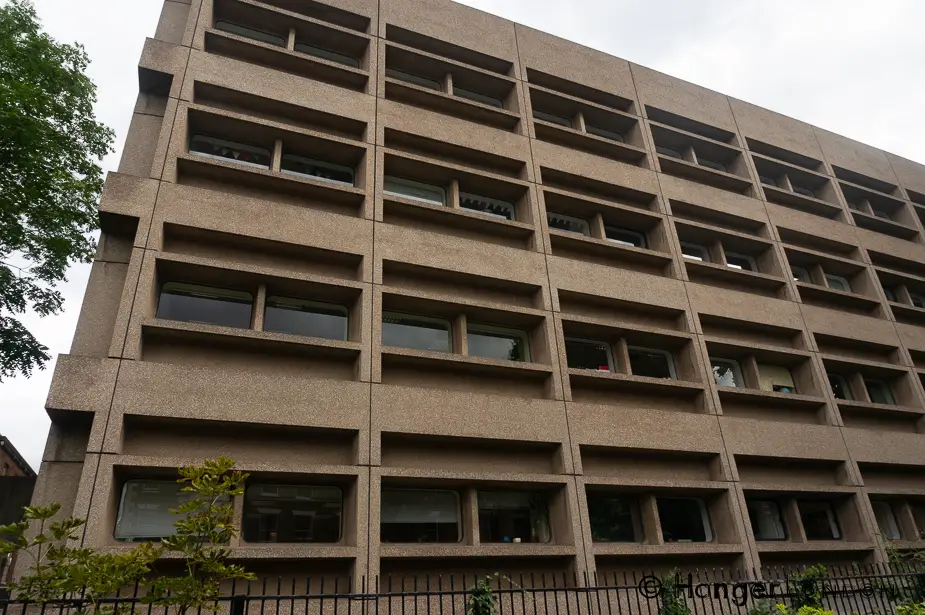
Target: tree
(50, 181)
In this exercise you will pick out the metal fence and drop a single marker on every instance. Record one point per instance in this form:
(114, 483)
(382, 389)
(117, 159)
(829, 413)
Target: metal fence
(860, 589)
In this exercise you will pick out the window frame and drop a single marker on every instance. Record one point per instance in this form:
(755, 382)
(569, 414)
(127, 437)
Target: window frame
(217, 26)
(604, 133)
(643, 240)
(635, 517)
(804, 191)
(552, 118)
(749, 259)
(338, 58)
(737, 374)
(913, 297)
(796, 271)
(890, 294)
(874, 504)
(886, 387)
(403, 76)
(228, 292)
(704, 251)
(531, 494)
(607, 347)
(844, 383)
(245, 510)
(309, 302)
(665, 353)
(491, 201)
(831, 276)
(668, 152)
(767, 180)
(712, 165)
(433, 319)
(460, 533)
(918, 516)
(780, 518)
(231, 145)
(483, 328)
(184, 497)
(792, 385)
(834, 524)
(567, 218)
(478, 97)
(412, 184)
(323, 164)
(704, 518)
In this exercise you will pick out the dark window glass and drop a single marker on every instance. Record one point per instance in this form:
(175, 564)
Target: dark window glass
(552, 119)
(879, 391)
(917, 300)
(497, 344)
(327, 54)
(420, 332)
(603, 132)
(768, 181)
(740, 261)
(886, 520)
(221, 149)
(840, 387)
(611, 518)
(334, 173)
(667, 151)
(415, 79)
(487, 206)
(651, 363)
(204, 304)
(819, 520)
(477, 97)
(257, 35)
(144, 509)
(414, 190)
(890, 294)
(855, 206)
(291, 513)
(801, 275)
(837, 282)
(513, 516)
(419, 515)
(625, 237)
(588, 354)
(918, 512)
(804, 191)
(684, 520)
(767, 521)
(300, 317)
(695, 252)
(711, 164)
(568, 223)
(882, 213)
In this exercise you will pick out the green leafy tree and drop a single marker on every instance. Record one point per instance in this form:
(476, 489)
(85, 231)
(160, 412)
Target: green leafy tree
(808, 588)
(50, 181)
(671, 597)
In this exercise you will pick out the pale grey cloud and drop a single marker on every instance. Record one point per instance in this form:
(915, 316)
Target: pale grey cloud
(852, 66)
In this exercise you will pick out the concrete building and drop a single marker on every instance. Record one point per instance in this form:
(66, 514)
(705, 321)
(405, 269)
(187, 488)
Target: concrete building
(17, 480)
(465, 296)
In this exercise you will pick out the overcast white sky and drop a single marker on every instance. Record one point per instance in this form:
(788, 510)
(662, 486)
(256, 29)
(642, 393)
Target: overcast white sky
(852, 66)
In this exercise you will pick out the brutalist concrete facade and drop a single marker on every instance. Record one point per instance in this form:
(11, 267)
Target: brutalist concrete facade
(808, 259)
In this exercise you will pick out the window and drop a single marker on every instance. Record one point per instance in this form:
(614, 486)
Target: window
(603, 132)
(776, 378)
(487, 206)
(552, 119)
(327, 54)
(419, 515)
(766, 518)
(727, 373)
(651, 362)
(588, 354)
(881, 213)
(890, 294)
(740, 261)
(886, 520)
(840, 387)
(768, 181)
(417, 332)
(695, 252)
(497, 343)
(482, 98)
(917, 300)
(667, 151)
(206, 305)
(837, 282)
(334, 173)
(414, 79)
(804, 191)
(879, 391)
(220, 149)
(684, 520)
(513, 516)
(801, 275)
(409, 189)
(301, 317)
(918, 513)
(625, 237)
(855, 206)
(612, 518)
(291, 513)
(819, 520)
(568, 223)
(710, 164)
(257, 35)
(144, 509)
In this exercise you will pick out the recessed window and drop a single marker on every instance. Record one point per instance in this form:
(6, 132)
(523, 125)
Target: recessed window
(917, 300)
(667, 151)
(205, 304)
(603, 132)
(416, 332)
(840, 387)
(612, 518)
(819, 520)
(855, 206)
(144, 509)
(727, 373)
(477, 97)
(301, 317)
(652, 363)
(879, 391)
(327, 54)
(513, 516)
(424, 82)
(767, 181)
(588, 354)
(397, 186)
(625, 237)
(741, 261)
(712, 164)
(886, 520)
(801, 275)
(684, 520)
(881, 213)
(804, 191)
(489, 207)
(836, 282)
(292, 513)
(695, 252)
(552, 119)
(497, 343)
(220, 149)
(568, 223)
(890, 294)
(918, 513)
(767, 520)
(419, 515)
(257, 35)
(776, 378)
(318, 169)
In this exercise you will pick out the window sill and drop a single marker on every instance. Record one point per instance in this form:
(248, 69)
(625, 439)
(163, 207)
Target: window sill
(264, 179)
(881, 225)
(457, 218)
(256, 52)
(609, 250)
(606, 549)
(703, 175)
(697, 270)
(459, 550)
(757, 397)
(908, 313)
(801, 202)
(811, 546)
(263, 550)
(443, 361)
(873, 409)
(570, 137)
(442, 102)
(587, 378)
(811, 293)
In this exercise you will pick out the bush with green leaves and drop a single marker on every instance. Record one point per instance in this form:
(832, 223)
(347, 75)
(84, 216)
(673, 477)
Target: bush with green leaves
(806, 609)
(911, 608)
(482, 599)
(671, 597)
(808, 588)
